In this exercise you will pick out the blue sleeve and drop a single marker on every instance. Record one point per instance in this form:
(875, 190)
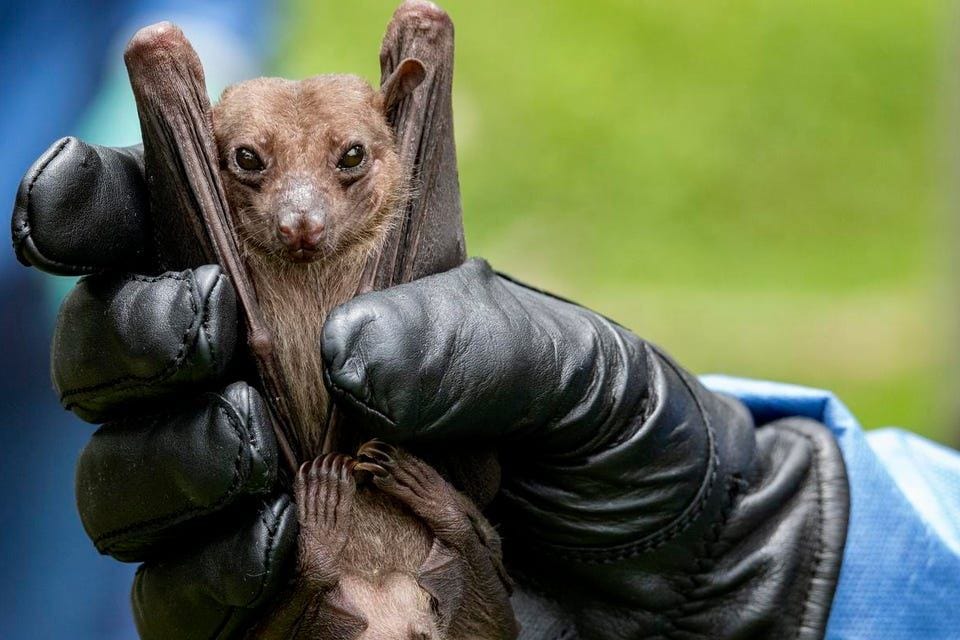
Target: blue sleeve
(900, 576)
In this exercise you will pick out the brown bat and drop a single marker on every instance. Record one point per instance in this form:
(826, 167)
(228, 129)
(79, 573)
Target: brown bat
(315, 185)
(404, 556)
(314, 182)
(193, 222)
(302, 193)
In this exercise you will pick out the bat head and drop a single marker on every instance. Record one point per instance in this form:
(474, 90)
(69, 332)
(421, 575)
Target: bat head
(311, 167)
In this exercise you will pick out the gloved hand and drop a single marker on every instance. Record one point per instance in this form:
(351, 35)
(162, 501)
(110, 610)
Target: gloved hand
(634, 502)
(182, 474)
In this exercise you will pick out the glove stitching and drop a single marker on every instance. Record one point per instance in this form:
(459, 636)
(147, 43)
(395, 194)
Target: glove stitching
(106, 541)
(205, 323)
(735, 485)
(618, 553)
(818, 553)
(163, 276)
(704, 561)
(270, 548)
(243, 611)
(24, 222)
(255, 438)
(356, 402)
(69, 398)
(24, 231)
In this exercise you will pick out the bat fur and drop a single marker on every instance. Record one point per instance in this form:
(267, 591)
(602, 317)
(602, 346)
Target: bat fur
(283, 201)
(388, 548)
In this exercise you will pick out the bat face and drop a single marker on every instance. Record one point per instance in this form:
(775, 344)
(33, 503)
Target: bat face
(309, 167)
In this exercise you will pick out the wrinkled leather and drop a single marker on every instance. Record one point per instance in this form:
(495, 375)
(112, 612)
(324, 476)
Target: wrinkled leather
(630, 493)
(82, 208)
(143, 482)
(635, 503)
(761, 562)
(123, 340)
(214, 592)
(182, 473)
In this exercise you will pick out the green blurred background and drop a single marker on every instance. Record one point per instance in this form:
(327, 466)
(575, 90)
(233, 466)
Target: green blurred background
(761, 187)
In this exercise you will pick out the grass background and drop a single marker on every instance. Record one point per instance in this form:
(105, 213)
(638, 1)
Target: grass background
(758, 186)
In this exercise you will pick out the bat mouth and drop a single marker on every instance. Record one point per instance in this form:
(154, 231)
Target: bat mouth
(303, 255)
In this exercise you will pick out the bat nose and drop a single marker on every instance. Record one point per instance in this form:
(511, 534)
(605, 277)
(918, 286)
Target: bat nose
(301, 231)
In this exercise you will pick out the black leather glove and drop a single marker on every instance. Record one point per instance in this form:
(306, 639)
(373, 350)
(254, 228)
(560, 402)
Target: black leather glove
(634, 502)
(182, 475)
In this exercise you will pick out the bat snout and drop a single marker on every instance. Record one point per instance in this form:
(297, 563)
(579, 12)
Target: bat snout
(301, 233)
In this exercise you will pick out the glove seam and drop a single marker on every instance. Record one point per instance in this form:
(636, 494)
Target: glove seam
(818, 555)
(704, 558)
(356, 402)
(665, 534)
(241, 610)
(205, 322)
(69, 398)
(803, 623)
(257, 443)
(105, 541)
(270, 546)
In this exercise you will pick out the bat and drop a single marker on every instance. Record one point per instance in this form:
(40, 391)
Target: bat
(377, 555)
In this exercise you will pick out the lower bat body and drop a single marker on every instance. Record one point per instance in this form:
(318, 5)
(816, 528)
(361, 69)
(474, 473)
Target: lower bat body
(390, 550)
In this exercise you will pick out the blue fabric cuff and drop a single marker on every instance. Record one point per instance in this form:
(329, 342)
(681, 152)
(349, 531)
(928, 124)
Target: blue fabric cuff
(901, 567)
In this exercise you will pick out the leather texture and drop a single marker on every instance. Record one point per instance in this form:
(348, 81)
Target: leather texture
(214, 592)
(81, 208)
(635, 503)
(631, 494)
(183, 475)
(144, 482)
(121, 341)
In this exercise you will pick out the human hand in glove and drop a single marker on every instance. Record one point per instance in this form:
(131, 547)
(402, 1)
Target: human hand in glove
(634, 502)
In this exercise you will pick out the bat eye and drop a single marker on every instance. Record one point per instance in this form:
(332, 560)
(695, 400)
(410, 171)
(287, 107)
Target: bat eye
(351, 158)
(248, 160)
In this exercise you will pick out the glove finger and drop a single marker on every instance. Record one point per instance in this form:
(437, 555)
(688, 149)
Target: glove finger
(141, 482)
(123, 343)
(464, 354)
(82, 208)
(396, 355)
(215, 590)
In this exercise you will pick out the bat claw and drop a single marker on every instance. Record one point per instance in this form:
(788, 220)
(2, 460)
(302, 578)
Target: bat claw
(372, 468)
(378, 452)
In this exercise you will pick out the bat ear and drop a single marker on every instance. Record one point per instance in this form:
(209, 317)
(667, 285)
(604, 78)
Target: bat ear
(405, 78)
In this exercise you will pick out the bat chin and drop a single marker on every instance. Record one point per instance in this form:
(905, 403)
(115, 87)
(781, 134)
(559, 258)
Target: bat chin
(304, 256)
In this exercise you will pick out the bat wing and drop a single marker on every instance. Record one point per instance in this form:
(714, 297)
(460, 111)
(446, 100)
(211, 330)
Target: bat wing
(189, 209)
(443, 576)
(430, 237)
(188, 204)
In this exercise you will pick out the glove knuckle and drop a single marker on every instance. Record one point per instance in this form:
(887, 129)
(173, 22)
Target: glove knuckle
(122, 341)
